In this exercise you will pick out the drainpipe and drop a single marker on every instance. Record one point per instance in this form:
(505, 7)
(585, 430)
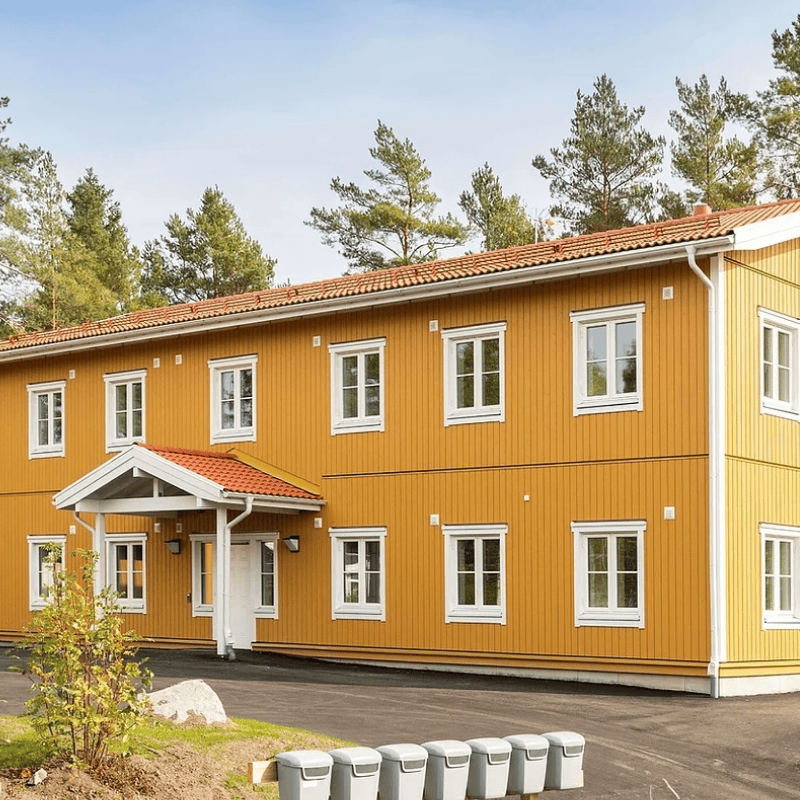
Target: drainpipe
(715, 564)
(226, 589)
(98, 537)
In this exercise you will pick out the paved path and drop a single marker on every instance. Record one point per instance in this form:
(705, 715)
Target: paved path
(640, 744)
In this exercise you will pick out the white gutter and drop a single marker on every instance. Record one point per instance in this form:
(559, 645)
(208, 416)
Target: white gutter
(502, 278)
(714, 439)
(225, 553)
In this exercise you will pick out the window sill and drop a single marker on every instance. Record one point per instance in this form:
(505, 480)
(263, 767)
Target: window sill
(780, 623)
(475, 416)
(357, 427)
(46, 453)
(607, 407)
(609, 621)
(784, 413)
(482, 617)
(266, 613)
(123, 609)
(243, 435)
(378, 614)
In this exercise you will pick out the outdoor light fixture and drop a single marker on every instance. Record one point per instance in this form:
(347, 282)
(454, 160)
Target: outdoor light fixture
(293, 543)
(174, 546)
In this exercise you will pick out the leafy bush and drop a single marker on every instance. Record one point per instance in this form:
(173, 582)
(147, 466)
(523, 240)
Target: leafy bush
(86, 681)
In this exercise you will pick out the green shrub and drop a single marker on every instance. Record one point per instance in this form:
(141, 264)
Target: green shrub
(86, 682)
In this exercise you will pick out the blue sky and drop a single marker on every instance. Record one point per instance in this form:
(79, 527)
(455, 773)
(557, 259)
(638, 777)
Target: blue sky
(269, 100)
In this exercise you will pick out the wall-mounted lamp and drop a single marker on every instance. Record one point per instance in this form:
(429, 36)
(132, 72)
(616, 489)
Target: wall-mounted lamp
(174, 546)
(292, 543)
(157, 527)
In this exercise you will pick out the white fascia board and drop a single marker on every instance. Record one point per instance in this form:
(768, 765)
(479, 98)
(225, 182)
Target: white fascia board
(502, 279)
(148, 462)
(277, 502)
(767, 233)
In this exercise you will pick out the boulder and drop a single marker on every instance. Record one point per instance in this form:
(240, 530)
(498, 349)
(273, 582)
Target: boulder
(188, 701)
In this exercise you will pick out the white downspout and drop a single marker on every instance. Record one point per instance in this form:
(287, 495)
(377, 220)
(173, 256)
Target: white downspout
(225, 549)
(98, 545)
(715, 563)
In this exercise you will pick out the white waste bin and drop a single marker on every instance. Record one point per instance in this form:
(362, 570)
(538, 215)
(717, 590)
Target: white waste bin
(488, 768)
(564, 760)
(402, 775)
(526, 772)
(355, 773)
(304, 775)
(448, 770)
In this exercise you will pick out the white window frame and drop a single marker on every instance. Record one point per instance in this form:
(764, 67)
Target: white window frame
(199, 608)
(239, 433)
(582, 403)
(479, 612)
(362, 422)
(779, 323)
(130, 605)
(777, 618)
(50, 449)
(113, 382)
(256, 541)
(38, 575)
(613, 615)
(479, 412)
(362, 610)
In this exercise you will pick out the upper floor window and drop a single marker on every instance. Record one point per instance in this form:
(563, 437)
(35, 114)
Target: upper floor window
(609, 573)
(46, 419)
(358, 573)
(781, 568)
(357, 386)
(607, 359)
(126, 569)
(42, 566)
(233, 399)
(474, 374)
(779, 364)
(124, 408)
(475, 573)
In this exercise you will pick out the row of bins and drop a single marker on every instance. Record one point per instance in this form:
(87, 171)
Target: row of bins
(482, 769)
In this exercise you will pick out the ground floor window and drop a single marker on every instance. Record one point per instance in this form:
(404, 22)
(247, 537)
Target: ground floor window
(39, 570)
(125, 569)
(475, 573)
(203, 561)
(264, 560)
(358, 573)
(609, 573)
(780, 567)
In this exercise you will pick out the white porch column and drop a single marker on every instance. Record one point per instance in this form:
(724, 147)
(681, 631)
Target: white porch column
(221, 578)
(99, 546)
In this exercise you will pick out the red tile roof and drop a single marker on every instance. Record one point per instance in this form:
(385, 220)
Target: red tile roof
(229, 472)
(640, 237)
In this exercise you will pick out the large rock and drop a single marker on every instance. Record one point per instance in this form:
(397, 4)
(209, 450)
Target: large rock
(193, 701)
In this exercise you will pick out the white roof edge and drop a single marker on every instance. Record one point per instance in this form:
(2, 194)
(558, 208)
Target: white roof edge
(767, 232)
(586, 265)
(146, 459)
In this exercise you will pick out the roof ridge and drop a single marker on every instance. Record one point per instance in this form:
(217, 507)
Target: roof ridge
(184, 451)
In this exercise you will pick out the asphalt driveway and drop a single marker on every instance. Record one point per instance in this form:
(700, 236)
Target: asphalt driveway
(639, 743)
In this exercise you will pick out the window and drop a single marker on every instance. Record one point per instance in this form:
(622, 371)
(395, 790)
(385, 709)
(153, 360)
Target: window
(474, 374)
(267, 575)
(203, 561)
(357, 386)
(781, 568)
(779, 365)
(125, 569)
(233, 399)
(607, 359)
(40, 572)
(46, 419)
(609, 574)
(124, 409)
(474, 558)
(358, 573)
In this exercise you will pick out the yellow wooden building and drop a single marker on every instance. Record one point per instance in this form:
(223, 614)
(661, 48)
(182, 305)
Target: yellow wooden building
(578, 459)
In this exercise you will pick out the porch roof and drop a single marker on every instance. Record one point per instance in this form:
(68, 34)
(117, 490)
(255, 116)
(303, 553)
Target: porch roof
(148, 480)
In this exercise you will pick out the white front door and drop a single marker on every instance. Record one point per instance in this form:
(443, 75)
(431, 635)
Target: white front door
(243, 620)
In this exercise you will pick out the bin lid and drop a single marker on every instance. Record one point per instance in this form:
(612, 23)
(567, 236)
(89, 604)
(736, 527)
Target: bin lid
(447, 748)
(564, 739)
(403, 752)
(304, 759)
(490, 745)
(356, 756)
(534, 746)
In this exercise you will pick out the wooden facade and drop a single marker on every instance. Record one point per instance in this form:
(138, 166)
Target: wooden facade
(536, 474)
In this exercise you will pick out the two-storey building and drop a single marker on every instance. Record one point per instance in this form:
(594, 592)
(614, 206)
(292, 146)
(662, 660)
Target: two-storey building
(577, 459)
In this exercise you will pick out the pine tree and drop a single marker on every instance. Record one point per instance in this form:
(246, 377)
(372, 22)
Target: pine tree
(502, 221)
(205, 256)
(720, 172)
(603, 174)
(393, 223)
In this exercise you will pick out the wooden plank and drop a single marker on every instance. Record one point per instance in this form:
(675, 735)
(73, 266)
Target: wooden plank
(262, 771)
